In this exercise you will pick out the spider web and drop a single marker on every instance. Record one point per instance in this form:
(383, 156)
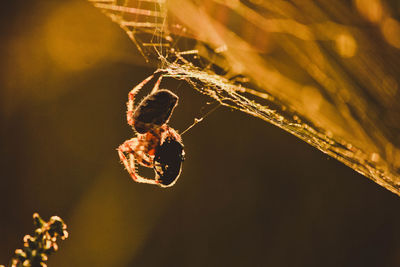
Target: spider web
(309, 68)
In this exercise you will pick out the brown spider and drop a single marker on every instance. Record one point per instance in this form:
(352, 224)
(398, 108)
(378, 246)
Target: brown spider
(156, 145)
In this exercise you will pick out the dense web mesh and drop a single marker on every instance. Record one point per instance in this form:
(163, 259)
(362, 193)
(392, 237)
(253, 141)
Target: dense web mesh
(327, 73)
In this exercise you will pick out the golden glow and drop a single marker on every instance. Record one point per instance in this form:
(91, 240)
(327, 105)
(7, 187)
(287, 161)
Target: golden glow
(63, 30)
(375, 157)
(298, 70)
(391, 31)
(311, 98)
(346, 46)
(289, 26)
(110, 215)
(371, 9)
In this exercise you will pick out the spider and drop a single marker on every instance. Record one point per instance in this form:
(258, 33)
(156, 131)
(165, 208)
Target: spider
(156, 145)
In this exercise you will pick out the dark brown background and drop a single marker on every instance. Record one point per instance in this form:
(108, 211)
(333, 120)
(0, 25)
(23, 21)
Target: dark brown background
(249, 195)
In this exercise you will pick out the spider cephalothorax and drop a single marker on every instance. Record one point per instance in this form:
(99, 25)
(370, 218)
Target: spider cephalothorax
(156, 145)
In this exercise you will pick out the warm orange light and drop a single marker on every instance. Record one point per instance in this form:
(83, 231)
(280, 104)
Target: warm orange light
(391, 31)
(372, 10)
(346, 46)
(311, 99)
(70, 40)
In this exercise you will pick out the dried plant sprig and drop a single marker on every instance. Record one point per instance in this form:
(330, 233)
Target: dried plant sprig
(42, 244)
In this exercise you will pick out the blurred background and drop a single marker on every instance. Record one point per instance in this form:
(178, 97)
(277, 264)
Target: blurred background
(250, 194)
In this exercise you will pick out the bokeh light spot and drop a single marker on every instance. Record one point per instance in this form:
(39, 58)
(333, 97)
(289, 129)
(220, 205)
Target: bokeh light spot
(346, 46)
(77, 39)
(311, 99)
(372, 10)
(391, 31)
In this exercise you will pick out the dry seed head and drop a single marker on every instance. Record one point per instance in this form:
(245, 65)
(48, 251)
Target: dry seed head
(47, 245)
(20, 253)
(44, 257)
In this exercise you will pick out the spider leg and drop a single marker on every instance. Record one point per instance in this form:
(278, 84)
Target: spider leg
(131, 99)
(157, 85)
(130, 165)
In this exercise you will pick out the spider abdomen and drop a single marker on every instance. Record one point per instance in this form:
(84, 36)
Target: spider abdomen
(168, 161)
(154, 110)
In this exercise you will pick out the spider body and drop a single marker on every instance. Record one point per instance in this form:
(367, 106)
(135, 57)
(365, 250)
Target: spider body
(156, 145)
(154, 111)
